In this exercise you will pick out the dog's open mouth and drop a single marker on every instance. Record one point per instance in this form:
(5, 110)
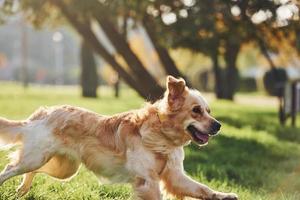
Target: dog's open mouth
(198, 136)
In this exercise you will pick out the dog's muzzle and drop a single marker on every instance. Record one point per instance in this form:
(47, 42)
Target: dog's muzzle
(197, 135)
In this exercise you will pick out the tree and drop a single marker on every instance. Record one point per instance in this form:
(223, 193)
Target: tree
(137, 76)
(218, 29)
(163, 54)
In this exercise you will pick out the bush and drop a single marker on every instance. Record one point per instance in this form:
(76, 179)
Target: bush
(247, 85)
(274, 81)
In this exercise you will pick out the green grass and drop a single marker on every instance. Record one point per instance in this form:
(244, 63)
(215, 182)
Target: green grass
(253, 156)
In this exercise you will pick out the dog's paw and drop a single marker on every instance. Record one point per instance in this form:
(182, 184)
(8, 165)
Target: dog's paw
(21, 191)
(225, 196)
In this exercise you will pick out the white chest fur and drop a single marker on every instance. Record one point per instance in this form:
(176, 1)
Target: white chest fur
(140, 161)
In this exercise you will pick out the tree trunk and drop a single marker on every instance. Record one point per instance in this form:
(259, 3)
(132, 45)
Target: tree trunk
(226, 81)
(219, 86)
(231, 71)
(117, 86)
(89, 75)
(265, 52)
(146, 80)
(163, 54)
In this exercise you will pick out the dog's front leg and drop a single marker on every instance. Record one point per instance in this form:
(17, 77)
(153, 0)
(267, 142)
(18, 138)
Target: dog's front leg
(146, 189)
(180, 185)
(141, 164)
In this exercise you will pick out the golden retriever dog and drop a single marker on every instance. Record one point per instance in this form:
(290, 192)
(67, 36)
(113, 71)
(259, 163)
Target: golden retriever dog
(143, 147)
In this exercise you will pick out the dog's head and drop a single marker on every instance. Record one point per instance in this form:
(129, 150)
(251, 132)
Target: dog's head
(187, 113)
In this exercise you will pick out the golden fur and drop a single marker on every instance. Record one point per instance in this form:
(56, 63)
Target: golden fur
(143, 147)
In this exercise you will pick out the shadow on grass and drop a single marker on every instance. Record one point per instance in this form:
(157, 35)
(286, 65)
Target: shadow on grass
(266, 121)
(241, 161)
(257, 120)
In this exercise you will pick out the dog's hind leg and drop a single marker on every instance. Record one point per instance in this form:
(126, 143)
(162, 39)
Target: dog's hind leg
(26, 183)
(28, 162)
(59, 166)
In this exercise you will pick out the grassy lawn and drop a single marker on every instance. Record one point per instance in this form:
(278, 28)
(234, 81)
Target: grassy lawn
(253, 156)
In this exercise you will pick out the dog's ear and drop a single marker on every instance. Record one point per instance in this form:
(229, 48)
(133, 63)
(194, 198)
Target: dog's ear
(175, 90)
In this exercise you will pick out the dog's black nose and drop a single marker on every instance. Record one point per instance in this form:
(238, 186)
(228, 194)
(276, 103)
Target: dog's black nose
(216, 126)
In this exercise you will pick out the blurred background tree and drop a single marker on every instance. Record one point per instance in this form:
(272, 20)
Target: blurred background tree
(219, 29)
(216, 28)
(89, 75)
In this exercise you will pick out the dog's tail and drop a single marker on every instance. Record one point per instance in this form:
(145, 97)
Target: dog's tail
(10, 132)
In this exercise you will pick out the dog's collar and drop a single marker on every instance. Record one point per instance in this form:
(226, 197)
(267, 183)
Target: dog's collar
(161, 117)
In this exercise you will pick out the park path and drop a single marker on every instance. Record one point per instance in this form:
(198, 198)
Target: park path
(249, 99)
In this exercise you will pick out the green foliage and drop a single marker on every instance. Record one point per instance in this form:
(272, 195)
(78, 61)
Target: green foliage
(209, 24)
(253, 156)
(197, 27)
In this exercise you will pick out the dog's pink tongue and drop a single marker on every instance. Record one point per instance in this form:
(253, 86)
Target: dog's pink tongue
(203, 137)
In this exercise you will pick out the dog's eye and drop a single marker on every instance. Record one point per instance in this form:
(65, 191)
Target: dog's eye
(197, 109)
